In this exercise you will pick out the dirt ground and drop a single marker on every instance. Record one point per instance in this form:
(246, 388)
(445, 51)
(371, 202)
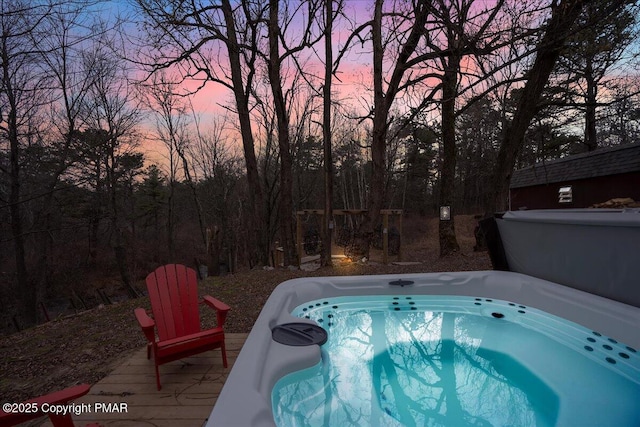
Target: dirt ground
(86, 347)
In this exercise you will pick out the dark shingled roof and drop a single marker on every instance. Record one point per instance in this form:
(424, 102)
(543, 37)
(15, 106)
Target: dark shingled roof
(605, 161)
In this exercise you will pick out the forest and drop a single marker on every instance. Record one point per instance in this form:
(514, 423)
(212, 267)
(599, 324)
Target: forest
(109, 165)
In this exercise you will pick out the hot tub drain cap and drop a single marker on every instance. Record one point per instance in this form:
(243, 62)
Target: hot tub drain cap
(299, 334)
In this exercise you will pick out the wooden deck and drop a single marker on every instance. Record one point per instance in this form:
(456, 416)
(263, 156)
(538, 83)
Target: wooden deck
(190, 388)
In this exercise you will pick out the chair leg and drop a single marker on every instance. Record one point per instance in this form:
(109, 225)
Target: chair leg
(224, 354)
(158, 377)
(148, 351)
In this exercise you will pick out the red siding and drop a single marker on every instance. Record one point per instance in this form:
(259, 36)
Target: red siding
(586, 192)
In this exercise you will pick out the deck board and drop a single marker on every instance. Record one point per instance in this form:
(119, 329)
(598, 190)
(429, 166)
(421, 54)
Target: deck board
(190, 388)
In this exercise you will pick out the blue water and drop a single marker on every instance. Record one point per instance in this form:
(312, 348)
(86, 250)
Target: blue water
(457, 361)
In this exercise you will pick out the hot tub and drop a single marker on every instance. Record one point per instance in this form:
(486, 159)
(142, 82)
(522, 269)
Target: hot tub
(594, 250)
(246, 398)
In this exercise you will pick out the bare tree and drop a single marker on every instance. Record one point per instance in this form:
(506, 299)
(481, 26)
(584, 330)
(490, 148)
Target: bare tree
(280, 57)
(350, 160)
(264, 119)
(432, 39)
(328, 225)
(112, 107)
(212, 149)
(62, 37)
(306, 147)
(43, 85)
(282, 50)
(454, 20)
(207, 43)
(557, 30)
(411, 20)
(19, 98)
(464, 31)
(215, 166)
(171, 123)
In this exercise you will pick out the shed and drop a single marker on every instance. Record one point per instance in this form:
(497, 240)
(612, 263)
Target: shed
(578, 181)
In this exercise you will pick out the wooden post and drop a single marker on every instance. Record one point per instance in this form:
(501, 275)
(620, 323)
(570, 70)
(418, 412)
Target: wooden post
(299, 238)
(385, 238)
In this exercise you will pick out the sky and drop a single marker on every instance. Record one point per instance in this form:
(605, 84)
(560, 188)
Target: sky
(352, 84)
(353, 69)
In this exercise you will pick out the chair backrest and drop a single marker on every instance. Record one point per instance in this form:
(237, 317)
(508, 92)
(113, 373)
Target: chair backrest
(173, 291)
(36, 406)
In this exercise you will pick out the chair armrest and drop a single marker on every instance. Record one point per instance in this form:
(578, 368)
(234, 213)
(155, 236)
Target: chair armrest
(146, 323)
(55, 398)
(220, 307)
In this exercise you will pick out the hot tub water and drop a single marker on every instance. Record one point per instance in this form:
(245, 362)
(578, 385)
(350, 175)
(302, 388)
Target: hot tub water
(453, 360)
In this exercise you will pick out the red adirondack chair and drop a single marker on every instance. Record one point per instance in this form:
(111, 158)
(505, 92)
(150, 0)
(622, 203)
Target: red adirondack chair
(173, 291)
(61, 397)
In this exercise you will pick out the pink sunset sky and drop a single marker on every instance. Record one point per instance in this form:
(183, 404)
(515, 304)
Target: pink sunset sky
(352, 85)
(353, 75)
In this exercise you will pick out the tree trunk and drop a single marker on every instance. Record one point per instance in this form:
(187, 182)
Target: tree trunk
(590, 133)
(194, 193)
(375, 198)
(94, 219)
(118, 242)
(170, 215)
(258, 225)
(214, 240)
(382, 102)
(327, 226)
(447, 231)
(559, 27)
(286, 162)
(24, 290)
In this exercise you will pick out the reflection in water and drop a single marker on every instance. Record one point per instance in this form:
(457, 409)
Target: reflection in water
(411, 368)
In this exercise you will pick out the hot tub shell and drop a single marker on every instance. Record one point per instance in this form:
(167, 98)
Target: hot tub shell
(245, 399)
(594, 250)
